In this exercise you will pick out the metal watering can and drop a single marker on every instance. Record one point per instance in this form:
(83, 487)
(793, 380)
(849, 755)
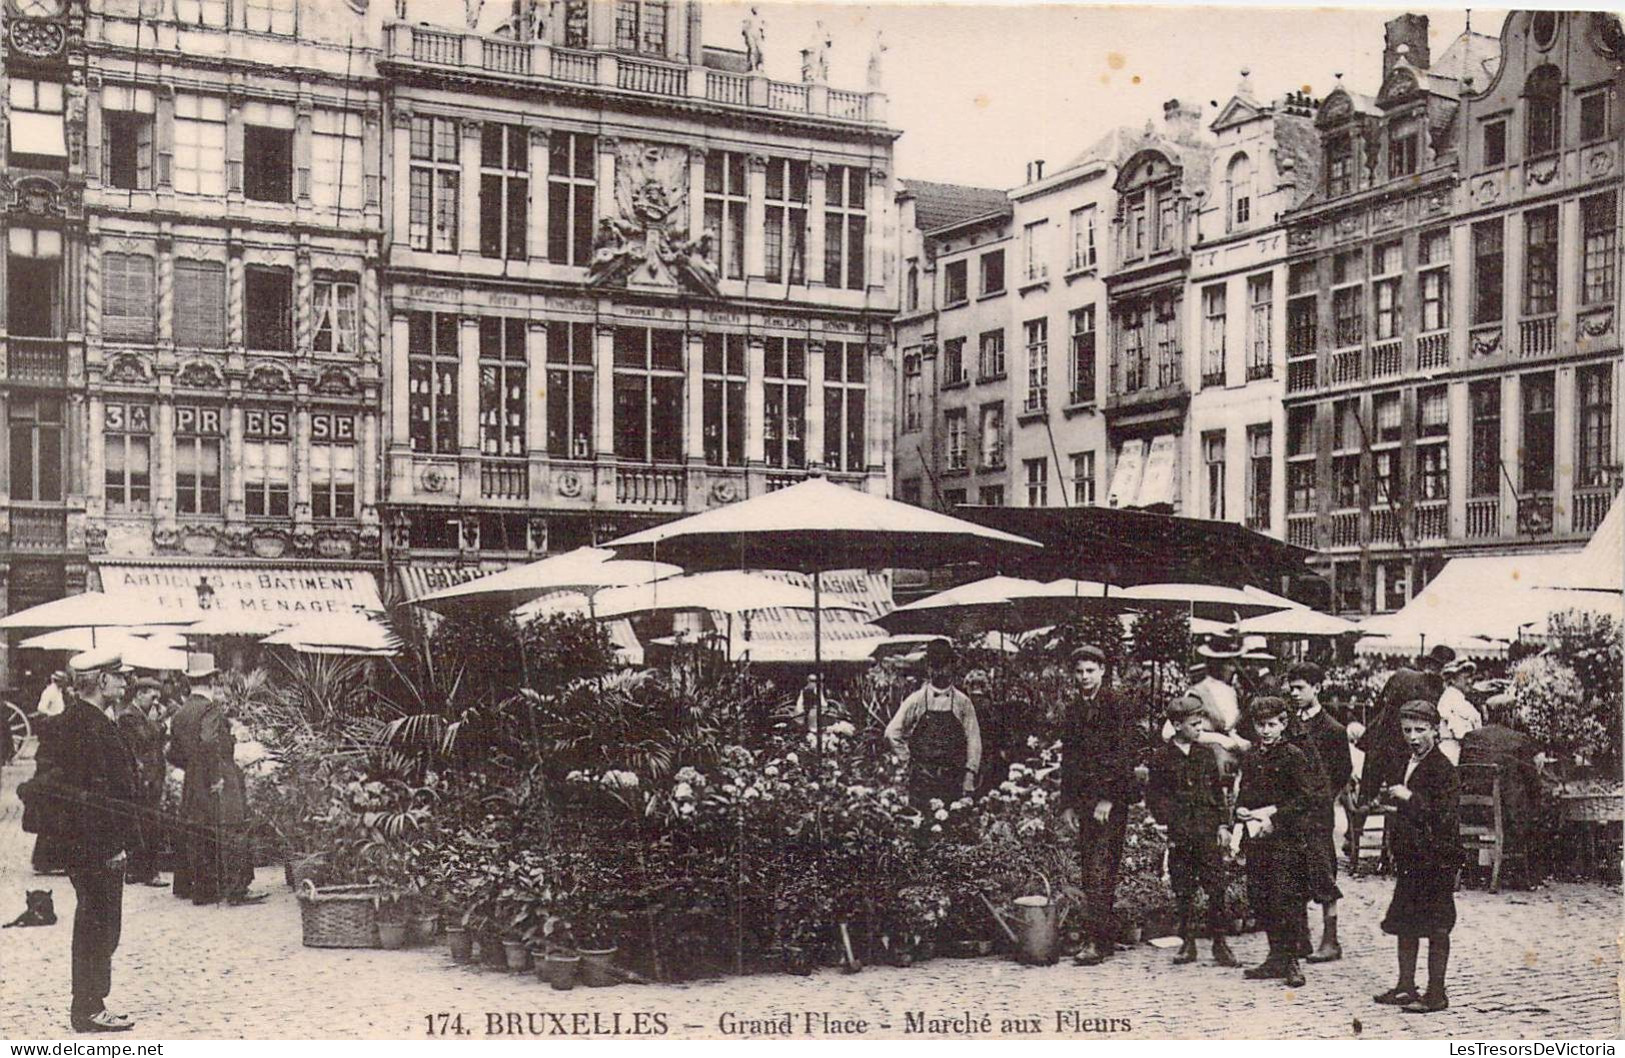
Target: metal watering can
(1034, 927)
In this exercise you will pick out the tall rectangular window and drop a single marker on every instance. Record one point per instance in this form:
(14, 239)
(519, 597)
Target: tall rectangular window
(1300, 486)
(1348, 315)
(37, 136)
(1339, 165)
(953, 361)
(332, 465)
(197, 460)
(569, 390)
(1594, 115)
(1495, 142)
(1083, 239)
(432, 364)
(571, 183)
(268, 162)
(1082, 376)
(958, 438)
(1539, 450)
(1083, 479)
(337, 178)
(990, 495)
(992, 434)
(36, 448)
(199, 167)
(503, 388)
(648, 388)
(1035, 247)
(1485, 399)
(129, 304)
(725, 200)
(845, 405)
(845, 226)
(911, 293)
(990, 357)
(913, 391)
(270, 16)
(434, 191)
(1213, 464)
(504, 191)
(127, 456)
(1133, 360)
(1433, 471)
(724, 385)
(208, 13)
(333, 305)
(1543, 122)
(200, 304)
(1594, 467)
(1260, 476)
(1260, 326)
(784, 388)
(640, 25)
(127, 143)
(992, 272)
(784, 219)
(954, 289)
(1404, 149)
(1488, 266)
(1388, 416)
(1599, 248)
(1433, 256)
(1213, 327)
(268, 308)
(1037, 471)
(1388, 312)
(1037, 364)
(266, 464)
(1432, 412)
(1540, 261)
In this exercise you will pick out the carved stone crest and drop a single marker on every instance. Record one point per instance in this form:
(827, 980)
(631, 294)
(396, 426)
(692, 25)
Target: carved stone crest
(645, 240)
(435, 478)
(724, 490)
(336, 382)
(128, 369)
(1486, 191)
(1486, 344)
(1599, 162)
(1597, 324)
(39, 40)
(569, 484)
(95, 538)
(38, 195)
(268, 378)
(1543, 172)
(199, 374)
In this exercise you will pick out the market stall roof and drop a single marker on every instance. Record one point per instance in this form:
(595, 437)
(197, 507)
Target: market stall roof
(586, 569)
(338, 634)
(1137, 547)
(1480, 598)
(283, 595)
(1299, 622)
(78, 640)
(92, 609)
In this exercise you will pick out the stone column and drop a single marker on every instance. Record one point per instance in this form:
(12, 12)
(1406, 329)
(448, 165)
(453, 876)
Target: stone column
(1511, 441)
(755, 400)
(163, 453)
(755, 215)
(603, 379)
(876, 227)
(235, 293)
(234, 145)
(400, 182)
(604, 198)
(696, 189)
(299, 457)
(372, 146)
(304, 286)
(93, 281)
(540, 163)
(235, 483)
(536, 387)
(399, 397)
(879, 412)
(303, 143)
(816, 456)
(166, 284)
(817, 176)
(371, 307)
(95, 453)
(468, 224)
(694, 398)
(368, 461)
(468, 404)
(1564, 451)
(163, 136)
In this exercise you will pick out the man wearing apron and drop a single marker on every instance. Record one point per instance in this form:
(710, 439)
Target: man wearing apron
(936, 735)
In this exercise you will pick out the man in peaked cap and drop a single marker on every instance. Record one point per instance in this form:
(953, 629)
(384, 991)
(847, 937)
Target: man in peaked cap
(84, 786)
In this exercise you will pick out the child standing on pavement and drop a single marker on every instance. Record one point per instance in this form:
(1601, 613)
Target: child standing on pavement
(1280, 788)
(1186, 795)
(1426, 852)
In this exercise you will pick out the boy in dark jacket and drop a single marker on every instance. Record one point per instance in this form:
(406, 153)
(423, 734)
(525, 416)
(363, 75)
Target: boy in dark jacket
(1328, 741)
(1280, 790)
(1186, 795)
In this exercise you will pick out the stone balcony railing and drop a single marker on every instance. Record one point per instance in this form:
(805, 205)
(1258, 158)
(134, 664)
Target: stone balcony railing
(42, 361)
(1433, 351)
(1432, 519)
(451, 49)
(1591, 501)
(38, 528)
(1300, 530)
(1387, 358)
(1483, 517)
(1300, 375)
(1537, 336)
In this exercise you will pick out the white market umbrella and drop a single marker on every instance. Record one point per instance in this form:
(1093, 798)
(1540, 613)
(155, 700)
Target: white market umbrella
(337, 634)
(1211, 598)
(817, 525)
(1300, 622)
(1600, 566)
(93, 609)
(721, 591)
(1015, 597)
(79, 640)
(586, 569)
(236, 623)
(155, 657)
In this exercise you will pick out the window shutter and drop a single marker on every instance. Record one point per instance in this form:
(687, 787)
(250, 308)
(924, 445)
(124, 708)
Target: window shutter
(200, 304)
(128, 300)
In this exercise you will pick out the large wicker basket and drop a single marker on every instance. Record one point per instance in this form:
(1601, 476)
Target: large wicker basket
(340, 916)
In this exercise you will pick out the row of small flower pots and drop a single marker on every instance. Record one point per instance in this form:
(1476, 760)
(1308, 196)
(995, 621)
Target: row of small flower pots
(561, 969)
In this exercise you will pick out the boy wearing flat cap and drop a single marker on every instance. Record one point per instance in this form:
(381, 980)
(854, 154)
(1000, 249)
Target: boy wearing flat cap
(1186, 795)
(1099, 744)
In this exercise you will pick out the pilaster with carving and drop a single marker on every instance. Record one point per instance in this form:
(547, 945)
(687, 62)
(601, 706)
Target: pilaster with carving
(303, 297)
(166, 283)
(235, 292)
(755, 213)
(815, 404)
(370, 306)
(93, 281)
(817, 179)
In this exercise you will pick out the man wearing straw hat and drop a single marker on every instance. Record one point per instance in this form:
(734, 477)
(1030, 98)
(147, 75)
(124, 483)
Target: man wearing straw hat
(215, 862)
(82, 797)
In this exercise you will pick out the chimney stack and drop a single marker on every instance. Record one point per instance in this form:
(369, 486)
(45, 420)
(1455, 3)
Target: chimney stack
(1409, 32)
(1183, 121)
(1035, 171)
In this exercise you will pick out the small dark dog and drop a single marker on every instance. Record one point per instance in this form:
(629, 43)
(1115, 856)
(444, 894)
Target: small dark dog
(41, 911)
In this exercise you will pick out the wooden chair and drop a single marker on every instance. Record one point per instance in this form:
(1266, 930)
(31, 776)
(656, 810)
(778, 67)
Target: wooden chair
(1483, 824)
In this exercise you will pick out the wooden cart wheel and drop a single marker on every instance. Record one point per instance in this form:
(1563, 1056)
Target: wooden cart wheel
(22, 732)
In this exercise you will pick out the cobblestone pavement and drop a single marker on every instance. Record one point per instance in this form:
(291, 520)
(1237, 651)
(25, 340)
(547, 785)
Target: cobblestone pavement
(1539, 965)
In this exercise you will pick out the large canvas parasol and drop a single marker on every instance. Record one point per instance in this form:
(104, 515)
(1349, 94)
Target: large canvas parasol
(586, 569)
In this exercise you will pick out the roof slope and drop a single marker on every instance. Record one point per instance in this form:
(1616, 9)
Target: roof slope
(944, 205)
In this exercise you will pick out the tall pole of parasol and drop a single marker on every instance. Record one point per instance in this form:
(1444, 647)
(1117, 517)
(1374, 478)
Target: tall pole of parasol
(818, 664)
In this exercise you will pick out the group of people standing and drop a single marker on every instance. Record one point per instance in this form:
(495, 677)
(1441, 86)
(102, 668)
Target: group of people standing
(1257, 772)
(96, 804)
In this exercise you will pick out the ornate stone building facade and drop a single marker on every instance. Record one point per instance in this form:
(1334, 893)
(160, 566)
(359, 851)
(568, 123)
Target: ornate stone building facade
(629, 277)
(1452, 295)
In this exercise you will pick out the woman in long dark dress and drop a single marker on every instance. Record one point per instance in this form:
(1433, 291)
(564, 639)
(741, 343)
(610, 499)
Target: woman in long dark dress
(1425, 843)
